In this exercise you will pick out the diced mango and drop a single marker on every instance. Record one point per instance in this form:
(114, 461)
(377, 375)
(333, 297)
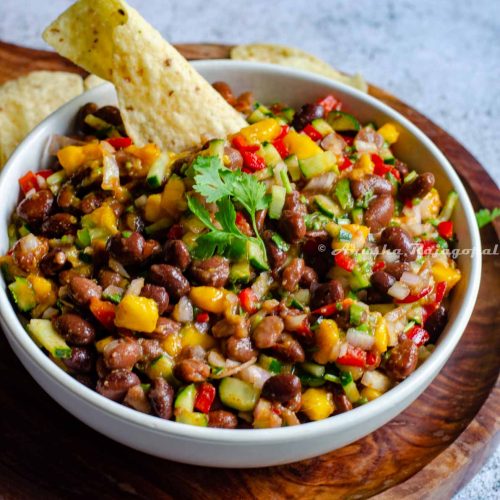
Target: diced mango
(173, 201)
(327, 339)
(209, 298)
(101, 344)
(153, 210)
(448, 274)
(363, 166)
(265, 130)
(147, 154)
(192, 337)
(173, 344)
(73, 157)
(317, 403)
(381, 335)
(137, 313)
(370, 394)
(301, 145)
(389, 132)
(102, 217)
(41, 286)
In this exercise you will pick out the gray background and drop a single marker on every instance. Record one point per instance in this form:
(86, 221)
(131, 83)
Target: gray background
(442, 57)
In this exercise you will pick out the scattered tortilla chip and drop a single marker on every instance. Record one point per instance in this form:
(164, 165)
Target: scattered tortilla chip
(296, 58)
(92, 81)
(25, 102)
(161, 97)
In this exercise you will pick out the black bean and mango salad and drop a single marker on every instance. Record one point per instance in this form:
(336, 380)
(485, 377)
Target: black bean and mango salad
(289, 272)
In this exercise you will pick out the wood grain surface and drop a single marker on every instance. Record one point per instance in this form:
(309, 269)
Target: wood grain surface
(429, 451)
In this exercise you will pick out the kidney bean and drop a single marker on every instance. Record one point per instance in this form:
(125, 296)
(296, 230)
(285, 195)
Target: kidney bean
(225, 91)
(402, 360)
(122, 354)
(289, 350)
(151, 349)
(309, 277)
(342, 403)
(83, 289)
(161, 397)
(75, 329)
(110, 114)
(85, 379)
(82, 360)
(116, 384)
(382, 281)
(53, 263)
(306, 114)
(80, 126)
(227, 328)
(402, 168)
(326, 293)
(417, 188)
(192, 370)
(58, 225)
(211, 272)
(260, 219)
(92, 201)
(317, 252)
(396, 268)
(158, 294)
(240, 349)
(136, 398)
(268, 332)
(117, 207)
(292, 225)
(108, 278)
(379, 212)
(165, 327)
(66, 198)
(100, 367)
(397, 239)
(374, 296)
(128, 251)
(374, 183)
(176, 253)
(35, 208)
(222, 419)
(282, 388)
(29, 259)
(436, 322)
(171, 278)
(292, 274)
(292, 202)
(276, 256)
(244, 102)
(235, 158)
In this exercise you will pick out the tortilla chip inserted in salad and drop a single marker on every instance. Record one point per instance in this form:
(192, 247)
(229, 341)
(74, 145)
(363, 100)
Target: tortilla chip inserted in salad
(161, 96)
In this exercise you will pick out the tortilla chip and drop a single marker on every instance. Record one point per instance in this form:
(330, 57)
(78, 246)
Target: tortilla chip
(295, 58)
(25, 102)
(161, 97)
(92, 81)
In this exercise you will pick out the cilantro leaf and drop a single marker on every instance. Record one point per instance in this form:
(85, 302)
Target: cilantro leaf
(226, 215)
(208, 180)
(485, 216)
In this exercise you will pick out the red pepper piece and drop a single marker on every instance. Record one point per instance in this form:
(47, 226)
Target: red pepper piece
(371, 358)
(284, 130)
(45, 173)
(349, 139)
(378, 266)
(329, 103)
(253, 162)
(418, 335)
(240, 143)
(175, 232)
(304, 329)
(312, 132)
(205, 397)
(395, 173)
(355, 356)
(428, 247)
(281, 148)
(440, 291)
(28, 182)
(379, 167)
(344, 261)
(327, 310)
(119, 142)
(248, 300)
(414, 297)
(346, 163)
(104, 312)
(202, 317)
(445, 229)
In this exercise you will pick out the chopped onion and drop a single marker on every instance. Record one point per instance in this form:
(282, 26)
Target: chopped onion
(289, 417)
(294, 323)
(112, 290)
(376, 380)
(389, 256)
(334, 142)
(321, 184)
(262, 284)
(410, 279)
(49, 312)
(216, 359)
(343, 349)
(107, 147)
(118, 268)
(399, 291)
(183, 311)
(29, 243)
(57, 142)
(365, 147)
(361, 339)
(135, 287)
(255, 375)
(229, 371)
(141, 201)
(110, 173)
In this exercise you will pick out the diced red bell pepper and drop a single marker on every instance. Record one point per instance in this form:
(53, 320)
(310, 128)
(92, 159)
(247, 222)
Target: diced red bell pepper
(349, 139)
(312, 132)
(175, 232)
(355, 356)
(241, 144)
(344, 261)
(45, 173)
(205, 397)
(327, 310)
(119, 142)
(329, 103)
(378, 266)
(428, 247)
(395, 173)
(346, 163)
(28, 182)
(248, 300)
(281, 148)
(440, 291)
(304, 329)
(372, 358)
(253, 162)
(202, 317)
(418, 335)
(104, 312)
(416, 296)
(284, 130)
(379, 167)
(445, 229)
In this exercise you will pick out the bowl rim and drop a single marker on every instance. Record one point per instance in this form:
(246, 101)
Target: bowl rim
(338, 423)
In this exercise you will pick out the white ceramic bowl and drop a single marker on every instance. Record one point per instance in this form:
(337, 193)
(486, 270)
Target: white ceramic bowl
(246, 448)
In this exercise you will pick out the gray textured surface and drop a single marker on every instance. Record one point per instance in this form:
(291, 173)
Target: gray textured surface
(442, 57)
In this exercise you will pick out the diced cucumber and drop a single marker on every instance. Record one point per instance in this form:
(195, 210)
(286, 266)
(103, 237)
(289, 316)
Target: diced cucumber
(45, 335)
(359, 280)
(159, 171)
(342, 122)
(270, 154)
(343, 194)
(192, 418)
(164, 223)
(261, 112)
(238, 394)
(330, 377)
(280, 242)
(292, 163)
(322, 126)
(356, 313)
(240, 272)
(55, 180)
(265, 173)
(386, 155)
(278, 195)
(410, 177)
(216, 148)
(257, 256)
(270, 364)
(285, 180)
(313, 369)
(318, 164)
(287, 114)
(162, 366)
(349, 386)
(357, 215)
(449, 205)
(97, 123)
(184, 402)
(327, 205)
(23, 294)
(302, 297)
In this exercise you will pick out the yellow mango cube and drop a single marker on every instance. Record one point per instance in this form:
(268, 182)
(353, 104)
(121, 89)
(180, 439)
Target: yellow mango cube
(363, 166)
(448, 274)
(370, 394)
(137, 313)
(301, 145)
(173, 344)
(317, 403)
(209, 298)
(147, 154)
(173, 201)
(152, 209)
(389, 132)
(327, 339)
(381, 335)
(190, 336)
(264, 130)
(101, 344)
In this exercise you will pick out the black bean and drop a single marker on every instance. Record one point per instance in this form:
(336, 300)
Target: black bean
(58, 225)
(80, 126)
(75, 329)
(222, 419)
(128, 251)
(158, 294)
(240, 349)
(161, 397)
(371, 183)
(281, 388)
(122, 354)
(82, 290)
(397, 239)
(176, 253)
(306, 114)
(326, 293)
(268, 332)
(417, 188)
(436, 323)
(116, 384)
(192, 370)
(82, 360)
(54, 262)
(402, 360)
(382, 281)
(292, 274)
(110, 114)
(171, 278)
(35, 208)
(379, 212)
(210, 272)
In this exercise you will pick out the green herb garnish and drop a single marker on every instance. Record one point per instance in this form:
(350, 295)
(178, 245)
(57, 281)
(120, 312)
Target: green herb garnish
(485, 216)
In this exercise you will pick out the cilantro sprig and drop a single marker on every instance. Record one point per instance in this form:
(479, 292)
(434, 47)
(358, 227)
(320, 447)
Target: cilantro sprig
(485, 216)
(225, 187)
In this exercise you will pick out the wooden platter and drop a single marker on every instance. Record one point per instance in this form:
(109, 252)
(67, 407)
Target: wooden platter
(429, 451)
